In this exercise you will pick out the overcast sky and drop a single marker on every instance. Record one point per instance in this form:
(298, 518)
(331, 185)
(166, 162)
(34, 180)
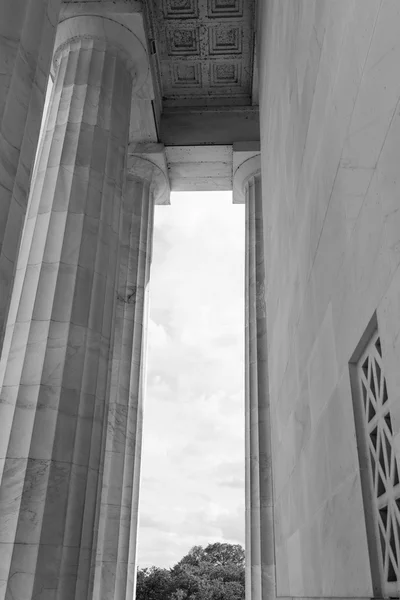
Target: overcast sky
(193, 448)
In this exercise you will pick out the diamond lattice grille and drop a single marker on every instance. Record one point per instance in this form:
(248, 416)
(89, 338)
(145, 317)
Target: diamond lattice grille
(382, 461)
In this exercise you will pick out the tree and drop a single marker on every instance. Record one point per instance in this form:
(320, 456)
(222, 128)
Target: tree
(215, 554)
(153, 584)
(212, 573)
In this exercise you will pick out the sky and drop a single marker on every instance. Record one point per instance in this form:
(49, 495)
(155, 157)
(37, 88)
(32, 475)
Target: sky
(192, 486)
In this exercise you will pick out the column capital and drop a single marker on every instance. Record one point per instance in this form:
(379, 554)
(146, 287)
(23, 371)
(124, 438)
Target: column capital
(246, 164)
(148, 162)
(105, 32)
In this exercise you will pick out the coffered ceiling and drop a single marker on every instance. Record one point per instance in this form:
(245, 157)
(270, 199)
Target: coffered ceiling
(204, 51)
(201, 88)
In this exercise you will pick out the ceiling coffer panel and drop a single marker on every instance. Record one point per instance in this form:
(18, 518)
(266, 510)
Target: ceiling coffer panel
(205, 51)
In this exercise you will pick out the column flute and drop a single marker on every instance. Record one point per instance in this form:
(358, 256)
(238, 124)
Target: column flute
(27, 33)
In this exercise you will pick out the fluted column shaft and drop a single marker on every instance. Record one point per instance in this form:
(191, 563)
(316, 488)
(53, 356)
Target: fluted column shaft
(260, 575)
(27, 32)
(56, 365)
(115, 574)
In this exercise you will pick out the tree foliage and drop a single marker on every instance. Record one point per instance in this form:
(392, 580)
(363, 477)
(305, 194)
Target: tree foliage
(212, 573)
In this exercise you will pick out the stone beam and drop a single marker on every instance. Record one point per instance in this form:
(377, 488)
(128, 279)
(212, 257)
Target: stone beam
(199, 168)
(95, 7)
(219, 126)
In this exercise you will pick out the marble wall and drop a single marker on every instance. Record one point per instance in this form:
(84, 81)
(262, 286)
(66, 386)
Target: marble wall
(330, 131)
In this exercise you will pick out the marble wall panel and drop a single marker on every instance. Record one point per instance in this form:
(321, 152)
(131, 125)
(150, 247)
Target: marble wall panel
(329, 130)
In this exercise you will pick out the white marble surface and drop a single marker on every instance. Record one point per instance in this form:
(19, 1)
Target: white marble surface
(56, 366)
(25, 57)
(260, 556)
(115, 563)
(330, 142)
(69, 470)
(200, 168)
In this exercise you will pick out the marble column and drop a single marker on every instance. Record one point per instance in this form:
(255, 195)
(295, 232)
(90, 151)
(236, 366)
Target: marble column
(115, 573)
(260, 553)
(55, 371)
(27, 32)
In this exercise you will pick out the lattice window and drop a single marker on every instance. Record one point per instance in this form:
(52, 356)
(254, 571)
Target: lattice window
(383, 468)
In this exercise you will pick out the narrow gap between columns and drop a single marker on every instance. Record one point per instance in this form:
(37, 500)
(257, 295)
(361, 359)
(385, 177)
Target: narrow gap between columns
(192, 484)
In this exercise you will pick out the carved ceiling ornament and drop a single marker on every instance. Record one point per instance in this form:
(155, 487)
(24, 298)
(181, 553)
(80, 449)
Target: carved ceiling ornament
(205, 51)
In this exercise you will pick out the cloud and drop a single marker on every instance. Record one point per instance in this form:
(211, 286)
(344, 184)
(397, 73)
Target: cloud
(147, 521)
(157, 334)
(232, 526)
(233, 482)
(230, 469)
(193, 452)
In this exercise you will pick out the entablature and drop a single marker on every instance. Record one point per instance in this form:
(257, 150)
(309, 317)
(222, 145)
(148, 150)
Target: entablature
(200, 97)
